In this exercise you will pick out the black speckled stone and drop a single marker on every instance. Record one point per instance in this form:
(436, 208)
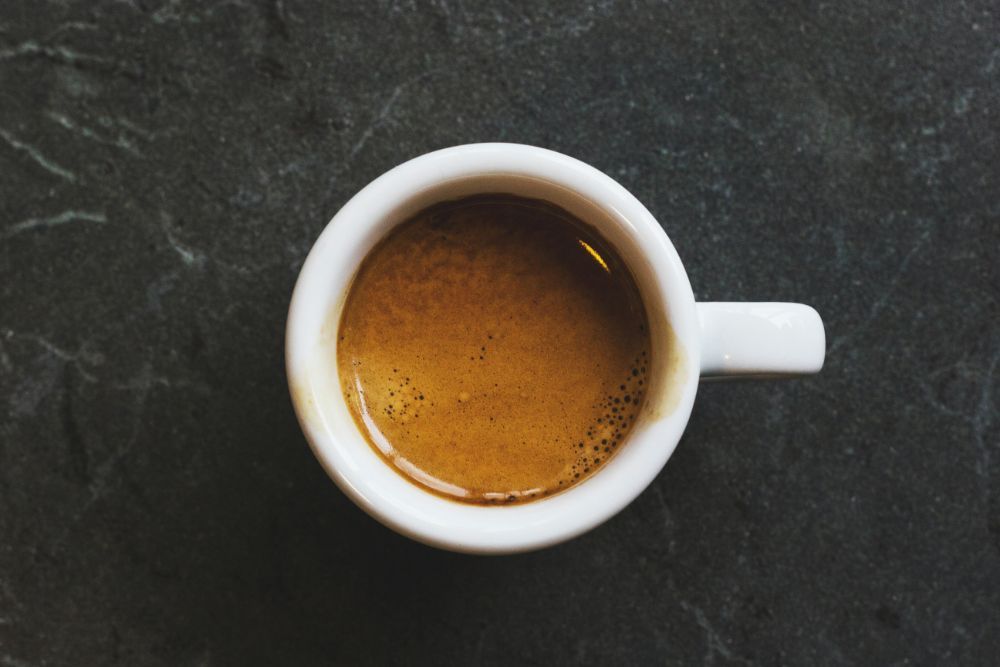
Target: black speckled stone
(166, 164)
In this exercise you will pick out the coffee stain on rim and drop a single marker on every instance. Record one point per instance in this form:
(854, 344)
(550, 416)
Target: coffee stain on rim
(670, 373)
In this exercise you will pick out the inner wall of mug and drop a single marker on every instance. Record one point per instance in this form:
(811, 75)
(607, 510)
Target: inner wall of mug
(665, 382)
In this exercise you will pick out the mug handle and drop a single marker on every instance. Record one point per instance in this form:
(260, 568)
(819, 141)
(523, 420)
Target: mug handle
(759, 340)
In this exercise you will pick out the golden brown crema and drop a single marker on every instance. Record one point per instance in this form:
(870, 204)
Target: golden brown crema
(494, 349)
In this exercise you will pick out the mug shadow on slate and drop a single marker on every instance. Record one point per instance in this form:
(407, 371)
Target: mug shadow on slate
(270, 560)
(273, 557)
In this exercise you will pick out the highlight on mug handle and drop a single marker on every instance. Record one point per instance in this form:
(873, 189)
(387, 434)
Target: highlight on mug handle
(759, 340)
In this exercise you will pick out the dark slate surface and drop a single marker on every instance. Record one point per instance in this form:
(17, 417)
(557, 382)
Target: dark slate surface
(165, 166)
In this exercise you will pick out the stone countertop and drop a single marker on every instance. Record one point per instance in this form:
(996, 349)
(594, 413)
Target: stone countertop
(165, 166)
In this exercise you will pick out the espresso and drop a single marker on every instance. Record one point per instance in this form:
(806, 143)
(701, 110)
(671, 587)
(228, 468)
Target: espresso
(494, 349)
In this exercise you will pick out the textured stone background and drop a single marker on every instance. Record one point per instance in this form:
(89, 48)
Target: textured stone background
(165, 166)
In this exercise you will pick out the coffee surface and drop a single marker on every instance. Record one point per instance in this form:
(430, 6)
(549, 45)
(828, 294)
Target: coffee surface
(494, 349)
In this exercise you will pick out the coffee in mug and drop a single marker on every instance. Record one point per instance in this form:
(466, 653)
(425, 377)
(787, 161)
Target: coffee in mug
(494, 349)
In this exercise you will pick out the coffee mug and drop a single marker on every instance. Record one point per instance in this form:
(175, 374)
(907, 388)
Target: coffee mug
(703, 341)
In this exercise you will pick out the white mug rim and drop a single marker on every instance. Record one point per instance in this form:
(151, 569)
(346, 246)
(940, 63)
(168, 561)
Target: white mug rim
(402, 505)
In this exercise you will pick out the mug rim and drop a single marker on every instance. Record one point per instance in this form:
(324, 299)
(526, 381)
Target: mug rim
(401, 504)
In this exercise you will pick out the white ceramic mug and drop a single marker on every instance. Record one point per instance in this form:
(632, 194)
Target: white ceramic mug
(690, 341)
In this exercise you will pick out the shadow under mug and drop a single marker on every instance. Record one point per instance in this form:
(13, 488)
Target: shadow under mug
(690, 341)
